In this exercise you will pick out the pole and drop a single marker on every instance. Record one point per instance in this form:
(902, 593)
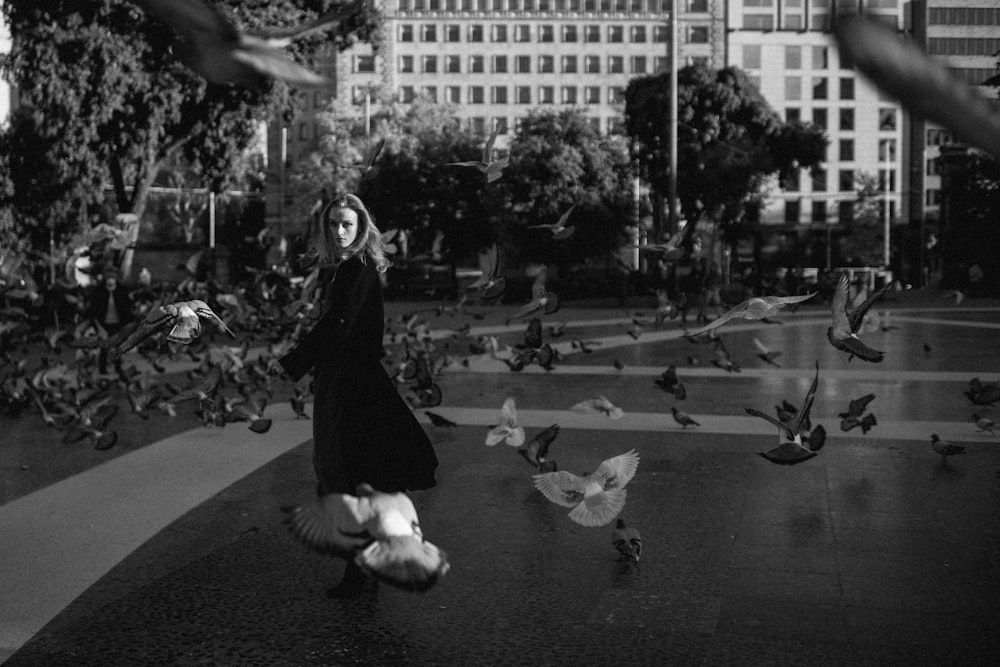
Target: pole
(211, 220)
(368, 112)
(284, 162)
(885, 250)
(672, 124)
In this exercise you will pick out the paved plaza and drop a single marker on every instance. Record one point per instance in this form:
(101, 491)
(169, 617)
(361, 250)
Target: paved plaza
(871, 553)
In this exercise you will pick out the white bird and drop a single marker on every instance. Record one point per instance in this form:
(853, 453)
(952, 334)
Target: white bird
(492, 282)
(541, 298)
(378, 531)
(599, 404)
(492, 169)
(507, 430)
(597, 497)
(218, 51)
(559, 229)
(627, 541)
(754, 308)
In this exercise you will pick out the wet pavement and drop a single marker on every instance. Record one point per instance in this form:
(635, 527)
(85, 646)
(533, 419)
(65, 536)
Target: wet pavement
(873, 552)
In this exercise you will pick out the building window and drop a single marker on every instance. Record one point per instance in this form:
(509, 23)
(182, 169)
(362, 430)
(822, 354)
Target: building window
(793, 115)
(793, 22)
(476, 64)
(616, 65)
(886, 119)
(592, 95)
(546, 33)
(498, 94)
(616, 33)
(792, 210)
(522, 64)
(616, 95)
(522, 33)
(431, 93)
(845, 212)
(452, 64)
(546, 94)
(793, 182)
(846, 88)
(500, 123)
(638, 64)
(498, 32)
(637, 34)
(430, 64)
(846, 180)
(847, 120)
(452, 33)
(933, 197)
(364, 64)
(819, 22)
(697, 34)
(406, 32)
(477, 124)
(592, 64)
(751, 56)
(428, 32)
(569, 33)
(820, 57)
(793, 87)
(500, 64)
(819, 88)
(522, 94)
(591, 33)
(406, 94)
(758, 22)
(569, 64)
(700, 6)
(819, 211)
(933, 167)
(546, 64)
(475, 33)
(569, 95)
(819, 118)
(616, 125)
(819, 180)
(793, 57)
(661, 34)
(477, 95)
(661, 64)
(846, 150)
(453, 94)
(892, 180)
(406, 64)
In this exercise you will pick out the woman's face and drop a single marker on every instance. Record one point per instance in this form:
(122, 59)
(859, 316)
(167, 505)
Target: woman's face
(344, 226)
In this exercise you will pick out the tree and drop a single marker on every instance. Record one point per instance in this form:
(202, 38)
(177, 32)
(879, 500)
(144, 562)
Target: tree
(731, 143)
(865, 233)
(558, 160)
(109, 103)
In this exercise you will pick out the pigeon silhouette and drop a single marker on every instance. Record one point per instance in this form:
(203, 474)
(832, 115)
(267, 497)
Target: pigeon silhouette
(507, 430)
(380, 532)
(683, 418)
(754, 308)
(541, 298)
(491, 284)
(765, 354)
(597, 497)
(627, 541)
(984, 423)
(857, 406)
(369, 171)
(215, 49)
(559, 229)
(800, 444)
(599, 404)
(843, 334)
(536, 450)
(670, 383)
(722, 359)
(944, 448)
(492, 169)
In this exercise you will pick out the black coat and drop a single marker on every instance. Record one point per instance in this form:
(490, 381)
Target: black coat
(363, 431)
(100, 298)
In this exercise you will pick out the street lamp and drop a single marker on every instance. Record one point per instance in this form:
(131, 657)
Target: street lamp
(672, 123)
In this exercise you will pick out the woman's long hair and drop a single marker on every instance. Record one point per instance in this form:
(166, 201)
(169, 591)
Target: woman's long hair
(368, 243)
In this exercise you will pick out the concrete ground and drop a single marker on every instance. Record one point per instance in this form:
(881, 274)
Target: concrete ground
(873, 552)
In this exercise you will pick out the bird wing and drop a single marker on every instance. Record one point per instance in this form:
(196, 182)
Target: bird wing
(330, 524)
(538, 290)
(159, 319)
(616, 472)
(737, 311)
(782, 301)
(488, 147)
(275, 64)
(760, 346)
(371, 162)
(564, 217)
(788, 453)
(204, 312)
(857, 316)
(191, 17)
(599, 509)
(807, 403)
(766, 417)
(533, 334)
(841, 324)
(407, 562)
(545, 439)
(561, 487)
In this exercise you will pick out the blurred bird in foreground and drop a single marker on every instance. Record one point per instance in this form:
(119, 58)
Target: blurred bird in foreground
(378, 531)
(507, 430)
(597, 497)
(627, 541)
(843, 334)
(217, 50)
(492, 169)
(599, 404)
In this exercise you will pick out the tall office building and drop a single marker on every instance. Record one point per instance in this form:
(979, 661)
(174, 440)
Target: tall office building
(786, 47)
(965, 35)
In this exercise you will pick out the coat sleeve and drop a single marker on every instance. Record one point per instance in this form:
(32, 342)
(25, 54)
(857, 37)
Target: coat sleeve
(334, 328)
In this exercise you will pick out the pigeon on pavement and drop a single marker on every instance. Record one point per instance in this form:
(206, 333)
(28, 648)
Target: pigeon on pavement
(627, 541)
(944, 448)
(683, 418)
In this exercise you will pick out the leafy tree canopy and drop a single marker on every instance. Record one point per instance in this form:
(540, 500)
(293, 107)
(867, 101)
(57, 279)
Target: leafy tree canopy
(731, 143)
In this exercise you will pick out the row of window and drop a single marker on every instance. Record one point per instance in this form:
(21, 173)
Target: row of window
(846, 149)
(847, 180)
(541, 64)
(820, 57)
(545, 33)
(820, 211)
(845, 118)
(655, 6)
(820, 88)
(817, 22)
(964, 16)
(963, 46)
(974, 76)
(508, 94)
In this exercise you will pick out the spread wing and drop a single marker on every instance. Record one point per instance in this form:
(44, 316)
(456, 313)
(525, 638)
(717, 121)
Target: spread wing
(858, 315)
(740, 310)
(561, 487)
(488, 148)
(331, 524)
(617, 471)
(803, 417)
(766, 417)
(841, 325)
(191, 17)
(159, 319)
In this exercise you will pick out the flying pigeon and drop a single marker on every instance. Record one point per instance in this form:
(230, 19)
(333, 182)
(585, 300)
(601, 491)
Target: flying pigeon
(215, 49)
(799, 445)
(843, 334)
(597, 497)
(369, 170)
(491, 283)
(683, 418)
(850, 422)
(380, 532)
(627, 541)
(944, 448)
(754, 308)
(541, 298)
(599, 404)
(507, 430)
(670, 383)
(536, 450)
(722, 359)
(766, 354)
(857, 406)
(559, 229)
(492, 169)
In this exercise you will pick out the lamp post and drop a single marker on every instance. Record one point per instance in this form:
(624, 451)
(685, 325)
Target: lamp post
(888, 208)
(672, 123)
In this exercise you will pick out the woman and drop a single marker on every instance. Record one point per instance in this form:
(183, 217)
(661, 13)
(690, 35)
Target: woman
(363, 431)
